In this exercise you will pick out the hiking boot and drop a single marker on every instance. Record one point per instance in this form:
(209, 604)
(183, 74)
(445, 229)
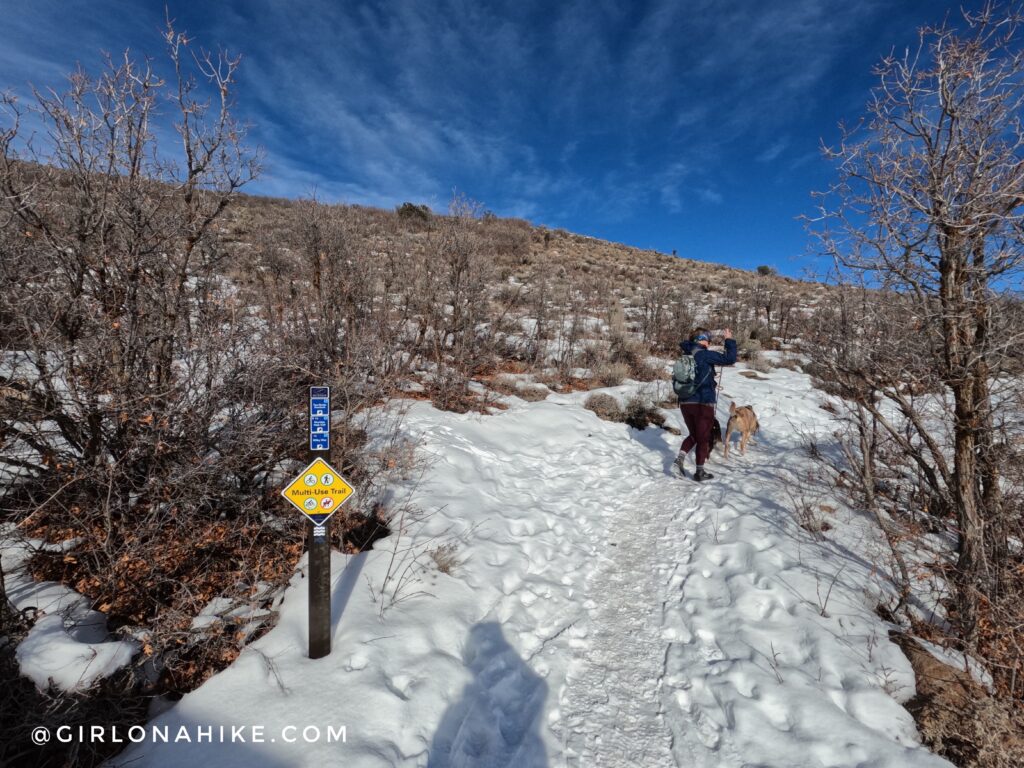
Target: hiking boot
(700, 475)
(680, 463)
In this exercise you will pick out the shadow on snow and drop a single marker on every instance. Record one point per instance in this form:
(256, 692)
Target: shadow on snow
(496, 721)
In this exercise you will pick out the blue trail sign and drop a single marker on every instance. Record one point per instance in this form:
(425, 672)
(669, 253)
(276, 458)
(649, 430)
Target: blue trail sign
(319, 418)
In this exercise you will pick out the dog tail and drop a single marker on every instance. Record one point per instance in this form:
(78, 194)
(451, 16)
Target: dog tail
(732, 408)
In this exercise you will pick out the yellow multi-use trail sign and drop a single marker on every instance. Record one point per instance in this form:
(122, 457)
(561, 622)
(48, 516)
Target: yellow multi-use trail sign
(318, 491)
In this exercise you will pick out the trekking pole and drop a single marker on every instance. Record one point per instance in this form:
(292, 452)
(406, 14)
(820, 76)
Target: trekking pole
(721, 385)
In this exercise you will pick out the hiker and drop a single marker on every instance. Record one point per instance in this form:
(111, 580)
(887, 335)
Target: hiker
(697, 398)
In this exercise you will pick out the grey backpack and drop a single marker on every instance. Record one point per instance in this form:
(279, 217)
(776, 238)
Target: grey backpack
(684, 377)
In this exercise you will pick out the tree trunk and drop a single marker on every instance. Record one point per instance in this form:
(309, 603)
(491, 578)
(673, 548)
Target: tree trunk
(971, 550)
(988, 467)
(956, 321)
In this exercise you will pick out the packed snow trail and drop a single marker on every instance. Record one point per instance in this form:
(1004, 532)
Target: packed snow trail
(625, 702)
(603, 612)
(612, 708)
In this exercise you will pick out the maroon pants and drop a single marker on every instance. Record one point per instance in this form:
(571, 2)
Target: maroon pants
(698, 418)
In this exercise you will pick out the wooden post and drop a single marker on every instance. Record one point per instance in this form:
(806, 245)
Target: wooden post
(319, 547)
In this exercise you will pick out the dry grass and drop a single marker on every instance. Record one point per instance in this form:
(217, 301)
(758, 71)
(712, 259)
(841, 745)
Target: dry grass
(611, 374)
(533, 393)
(605, 406)
(959, 719)
(508, 385)
(445, 557)
(504, 384)
(638, 412)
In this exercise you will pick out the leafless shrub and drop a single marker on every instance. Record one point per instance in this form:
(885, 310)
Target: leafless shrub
(789, 363)
(611, 374)
(116, 702)
(445, 557)
(758, 362)
(593, 355)
(605, 406)
(647, 371)
(411, 559)
(403, 579)
(749, 349)
(640, 413)
(533, 393)
(810, 512)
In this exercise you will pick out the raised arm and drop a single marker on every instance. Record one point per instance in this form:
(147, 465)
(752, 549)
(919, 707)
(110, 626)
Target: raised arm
(719, 358)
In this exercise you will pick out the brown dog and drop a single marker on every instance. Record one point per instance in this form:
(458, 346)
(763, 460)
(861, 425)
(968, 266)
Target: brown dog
(741, 419)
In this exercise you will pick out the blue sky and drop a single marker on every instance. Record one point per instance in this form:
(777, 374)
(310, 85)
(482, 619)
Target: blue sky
(689, 125)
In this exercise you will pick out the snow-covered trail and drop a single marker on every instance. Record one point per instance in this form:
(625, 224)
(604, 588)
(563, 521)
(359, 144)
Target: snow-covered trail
(604, 612)
(612, 711)
(642, 647)
(609, 637)
(635, 527)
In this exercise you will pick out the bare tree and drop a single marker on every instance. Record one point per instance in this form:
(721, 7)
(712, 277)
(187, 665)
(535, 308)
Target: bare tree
(135, 412)
(930, 204)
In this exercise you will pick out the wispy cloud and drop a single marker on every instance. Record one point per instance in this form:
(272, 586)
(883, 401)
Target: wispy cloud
(710, 196)
(773, 152)
(573, 112)
(669, 183)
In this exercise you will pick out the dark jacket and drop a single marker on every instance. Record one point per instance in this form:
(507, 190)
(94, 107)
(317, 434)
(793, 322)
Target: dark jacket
(704, 360)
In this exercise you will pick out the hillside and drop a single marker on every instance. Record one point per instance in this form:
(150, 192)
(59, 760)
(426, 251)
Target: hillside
(517, 581)
(646, 285)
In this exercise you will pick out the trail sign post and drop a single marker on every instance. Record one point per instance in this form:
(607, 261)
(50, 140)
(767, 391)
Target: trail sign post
(318, 492)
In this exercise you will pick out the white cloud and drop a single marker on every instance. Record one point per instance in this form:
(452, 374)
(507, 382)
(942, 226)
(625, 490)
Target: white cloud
(710, 196)
(772, 152)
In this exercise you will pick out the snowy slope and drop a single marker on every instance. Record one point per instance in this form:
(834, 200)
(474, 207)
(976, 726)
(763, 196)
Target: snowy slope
(605, 612)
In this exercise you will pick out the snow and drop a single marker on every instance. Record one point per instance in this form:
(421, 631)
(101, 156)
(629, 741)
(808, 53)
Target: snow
(52, 655)
(602, 611)
(67, 647)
